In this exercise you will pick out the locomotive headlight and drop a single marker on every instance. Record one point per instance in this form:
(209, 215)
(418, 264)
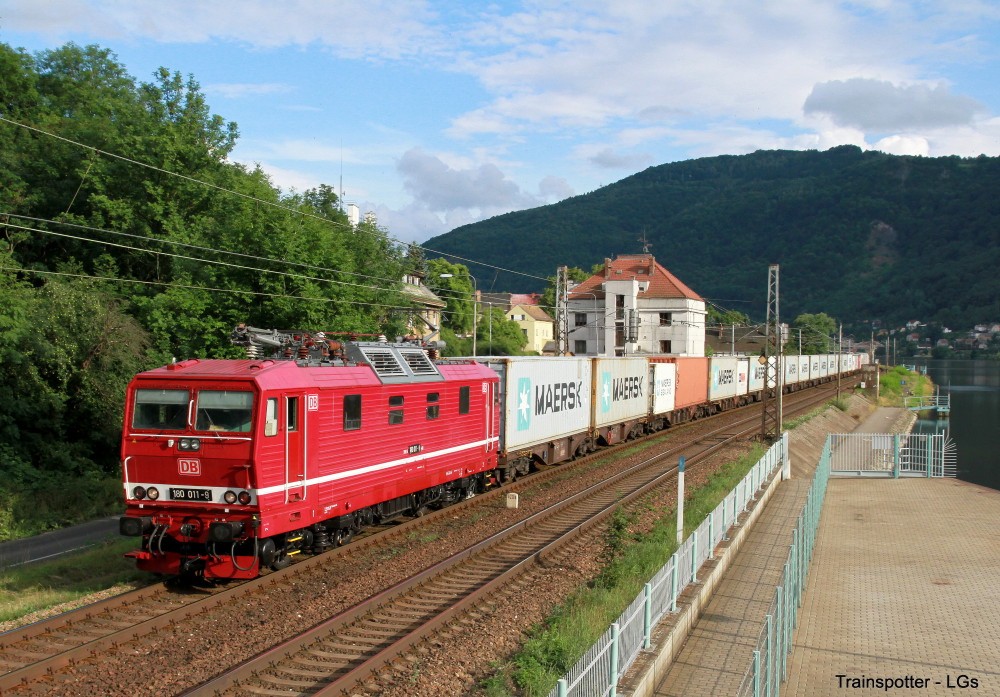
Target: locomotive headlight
(139, 492)
(244, 498)
(189, 444)
(229, 497)
(153, 493)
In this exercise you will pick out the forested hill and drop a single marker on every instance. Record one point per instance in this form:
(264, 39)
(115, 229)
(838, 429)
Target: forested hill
(859, 235)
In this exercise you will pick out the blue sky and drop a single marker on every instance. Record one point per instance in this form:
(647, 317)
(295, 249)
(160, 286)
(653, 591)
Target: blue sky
(438, 114)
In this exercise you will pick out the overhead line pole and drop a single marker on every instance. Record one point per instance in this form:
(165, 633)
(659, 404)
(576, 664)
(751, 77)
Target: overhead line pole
(771, 417)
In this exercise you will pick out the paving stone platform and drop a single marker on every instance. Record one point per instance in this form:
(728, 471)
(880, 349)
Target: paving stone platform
(905, 582)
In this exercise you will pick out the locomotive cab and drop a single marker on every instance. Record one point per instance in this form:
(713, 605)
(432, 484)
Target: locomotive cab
(232, 466)
(186, 463)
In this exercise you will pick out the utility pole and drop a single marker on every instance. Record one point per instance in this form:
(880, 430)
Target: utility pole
(772, 416)
(840, 353)
(562, 316)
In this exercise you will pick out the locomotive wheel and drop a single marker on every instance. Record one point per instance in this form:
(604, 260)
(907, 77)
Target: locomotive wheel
(344, 536)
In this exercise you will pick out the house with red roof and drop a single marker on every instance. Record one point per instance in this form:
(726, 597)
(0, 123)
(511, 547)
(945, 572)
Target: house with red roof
(635, 306)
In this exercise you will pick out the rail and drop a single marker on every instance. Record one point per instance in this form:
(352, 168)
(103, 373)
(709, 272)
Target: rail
(596, 673)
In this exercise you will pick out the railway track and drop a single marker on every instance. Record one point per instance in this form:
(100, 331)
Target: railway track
(339, 655)
(32, 657)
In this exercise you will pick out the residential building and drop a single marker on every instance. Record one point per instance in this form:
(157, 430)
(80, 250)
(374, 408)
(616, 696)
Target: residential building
(425, 320)
(635, 305)
(536, 324)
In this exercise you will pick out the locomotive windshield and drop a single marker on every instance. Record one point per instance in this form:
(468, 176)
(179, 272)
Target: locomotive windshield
(224, 410)
(164, 410)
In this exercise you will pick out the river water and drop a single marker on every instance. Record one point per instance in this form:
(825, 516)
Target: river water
(974, 425)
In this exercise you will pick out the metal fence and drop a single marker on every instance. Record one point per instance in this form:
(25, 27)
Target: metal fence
(892, 455)
(596, 673)
(769, 665)
(941, 402)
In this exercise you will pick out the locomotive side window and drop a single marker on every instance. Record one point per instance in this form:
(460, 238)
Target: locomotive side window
(352, 412)
(160, 409)
(463, 400)
(292, 420)
(396, 415)
(433, 409)
(271, 417)
(224, 410)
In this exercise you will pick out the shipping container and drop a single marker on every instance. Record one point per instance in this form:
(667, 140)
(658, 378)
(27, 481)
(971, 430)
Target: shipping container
(621, 390)
(805, 371)
(758, 371)
(791, 365)
(692, 381)
(544, 398)
(664, 381)
(722, 382)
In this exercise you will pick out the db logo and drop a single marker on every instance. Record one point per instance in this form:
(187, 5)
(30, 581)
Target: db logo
(189, 467)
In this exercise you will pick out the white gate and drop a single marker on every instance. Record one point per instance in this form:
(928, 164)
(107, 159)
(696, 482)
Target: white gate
(892, 455)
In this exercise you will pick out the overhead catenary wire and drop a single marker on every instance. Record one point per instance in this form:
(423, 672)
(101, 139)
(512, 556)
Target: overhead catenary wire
(234, 291)
(202, 248)
(248, 197)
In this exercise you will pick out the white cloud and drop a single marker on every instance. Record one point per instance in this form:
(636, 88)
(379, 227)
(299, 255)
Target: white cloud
(242, 90)
(284, 178)
(880, 106)
(555, 188)
(606, 158)
(903, 145)
(376, 28)
(442, 188)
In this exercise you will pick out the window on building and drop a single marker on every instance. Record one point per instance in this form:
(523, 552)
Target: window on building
(579, 347)
(396, 414)
(525, 332)
(665, 347)
(433, 409)
(581, 319)
(463, 400)
(352, 412)
(666, 319)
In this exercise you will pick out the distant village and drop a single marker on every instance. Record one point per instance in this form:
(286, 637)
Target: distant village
(937, 341)
(636, 306)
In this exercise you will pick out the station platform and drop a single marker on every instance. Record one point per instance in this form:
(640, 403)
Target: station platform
(904, 585)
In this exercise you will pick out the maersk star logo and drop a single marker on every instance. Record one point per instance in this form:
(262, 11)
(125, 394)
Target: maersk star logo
(523, 404)
(605, 391)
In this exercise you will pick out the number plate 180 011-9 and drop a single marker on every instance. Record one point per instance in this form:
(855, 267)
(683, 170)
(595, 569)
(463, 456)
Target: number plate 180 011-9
(178, 494)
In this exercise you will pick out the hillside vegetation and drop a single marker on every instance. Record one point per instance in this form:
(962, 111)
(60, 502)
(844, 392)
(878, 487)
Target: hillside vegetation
(859, 235)
(110, 264)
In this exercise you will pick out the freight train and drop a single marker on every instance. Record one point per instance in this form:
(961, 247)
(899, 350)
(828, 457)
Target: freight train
(234, 466)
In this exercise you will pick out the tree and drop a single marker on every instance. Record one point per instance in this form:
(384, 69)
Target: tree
(574, 274)
(816, 332)
(499, 336)
(453, 284)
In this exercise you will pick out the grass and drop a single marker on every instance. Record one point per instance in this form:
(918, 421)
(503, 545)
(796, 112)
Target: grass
(28, 509)
(898, 382)
(34, 587)
(630, 561)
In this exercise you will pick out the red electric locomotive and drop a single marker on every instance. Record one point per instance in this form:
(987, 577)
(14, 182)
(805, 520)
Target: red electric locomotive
(231, 466)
